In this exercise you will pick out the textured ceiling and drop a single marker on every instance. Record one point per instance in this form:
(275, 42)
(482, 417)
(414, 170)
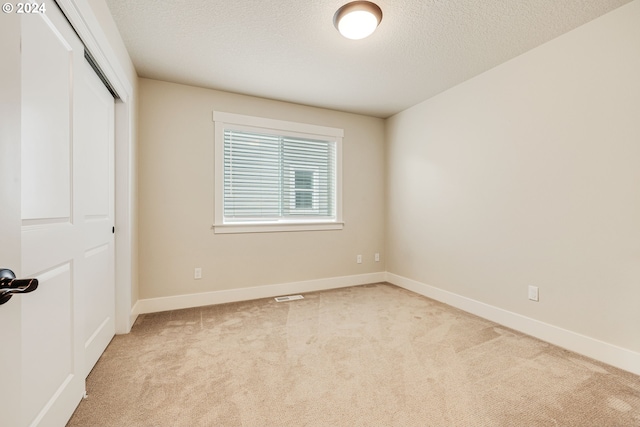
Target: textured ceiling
(289, 49)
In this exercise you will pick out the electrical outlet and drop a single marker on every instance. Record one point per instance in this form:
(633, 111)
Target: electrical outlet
(533, 293)
(359, 259)
(197, 273)
(377, 257)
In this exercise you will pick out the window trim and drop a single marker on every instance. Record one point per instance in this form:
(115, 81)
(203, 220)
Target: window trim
(223, 119)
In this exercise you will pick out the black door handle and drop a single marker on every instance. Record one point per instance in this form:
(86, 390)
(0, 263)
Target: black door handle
(9, 285)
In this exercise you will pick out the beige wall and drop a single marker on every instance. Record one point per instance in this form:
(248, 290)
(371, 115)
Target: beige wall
(529, 175)
(176, 198)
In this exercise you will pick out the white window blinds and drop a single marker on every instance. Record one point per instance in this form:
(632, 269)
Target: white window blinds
(270, 177)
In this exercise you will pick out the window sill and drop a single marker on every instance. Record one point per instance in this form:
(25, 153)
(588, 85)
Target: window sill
(276, 227)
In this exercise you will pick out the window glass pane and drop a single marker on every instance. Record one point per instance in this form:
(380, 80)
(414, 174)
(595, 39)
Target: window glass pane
(251, 175)
(304, 200)
(304, 180)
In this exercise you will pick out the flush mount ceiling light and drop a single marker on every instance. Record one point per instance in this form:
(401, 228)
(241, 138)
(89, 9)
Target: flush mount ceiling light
(358, 19)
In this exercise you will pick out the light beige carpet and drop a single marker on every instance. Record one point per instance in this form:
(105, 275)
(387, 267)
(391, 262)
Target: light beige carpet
(373, 355)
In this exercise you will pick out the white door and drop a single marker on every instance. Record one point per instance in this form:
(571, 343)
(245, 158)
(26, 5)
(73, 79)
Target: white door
(94, 132)
(11, 312)
(49, 219)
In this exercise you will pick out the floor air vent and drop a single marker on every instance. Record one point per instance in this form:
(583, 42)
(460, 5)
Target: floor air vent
(288, 298)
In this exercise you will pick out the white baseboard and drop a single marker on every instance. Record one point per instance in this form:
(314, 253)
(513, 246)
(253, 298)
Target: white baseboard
(599, 350)
(153, 305)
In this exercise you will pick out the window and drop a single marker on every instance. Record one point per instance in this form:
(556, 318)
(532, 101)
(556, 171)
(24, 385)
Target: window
(273, 175)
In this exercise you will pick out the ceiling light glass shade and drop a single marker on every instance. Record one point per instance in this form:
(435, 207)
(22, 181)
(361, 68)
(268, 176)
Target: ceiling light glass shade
(358, 19)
